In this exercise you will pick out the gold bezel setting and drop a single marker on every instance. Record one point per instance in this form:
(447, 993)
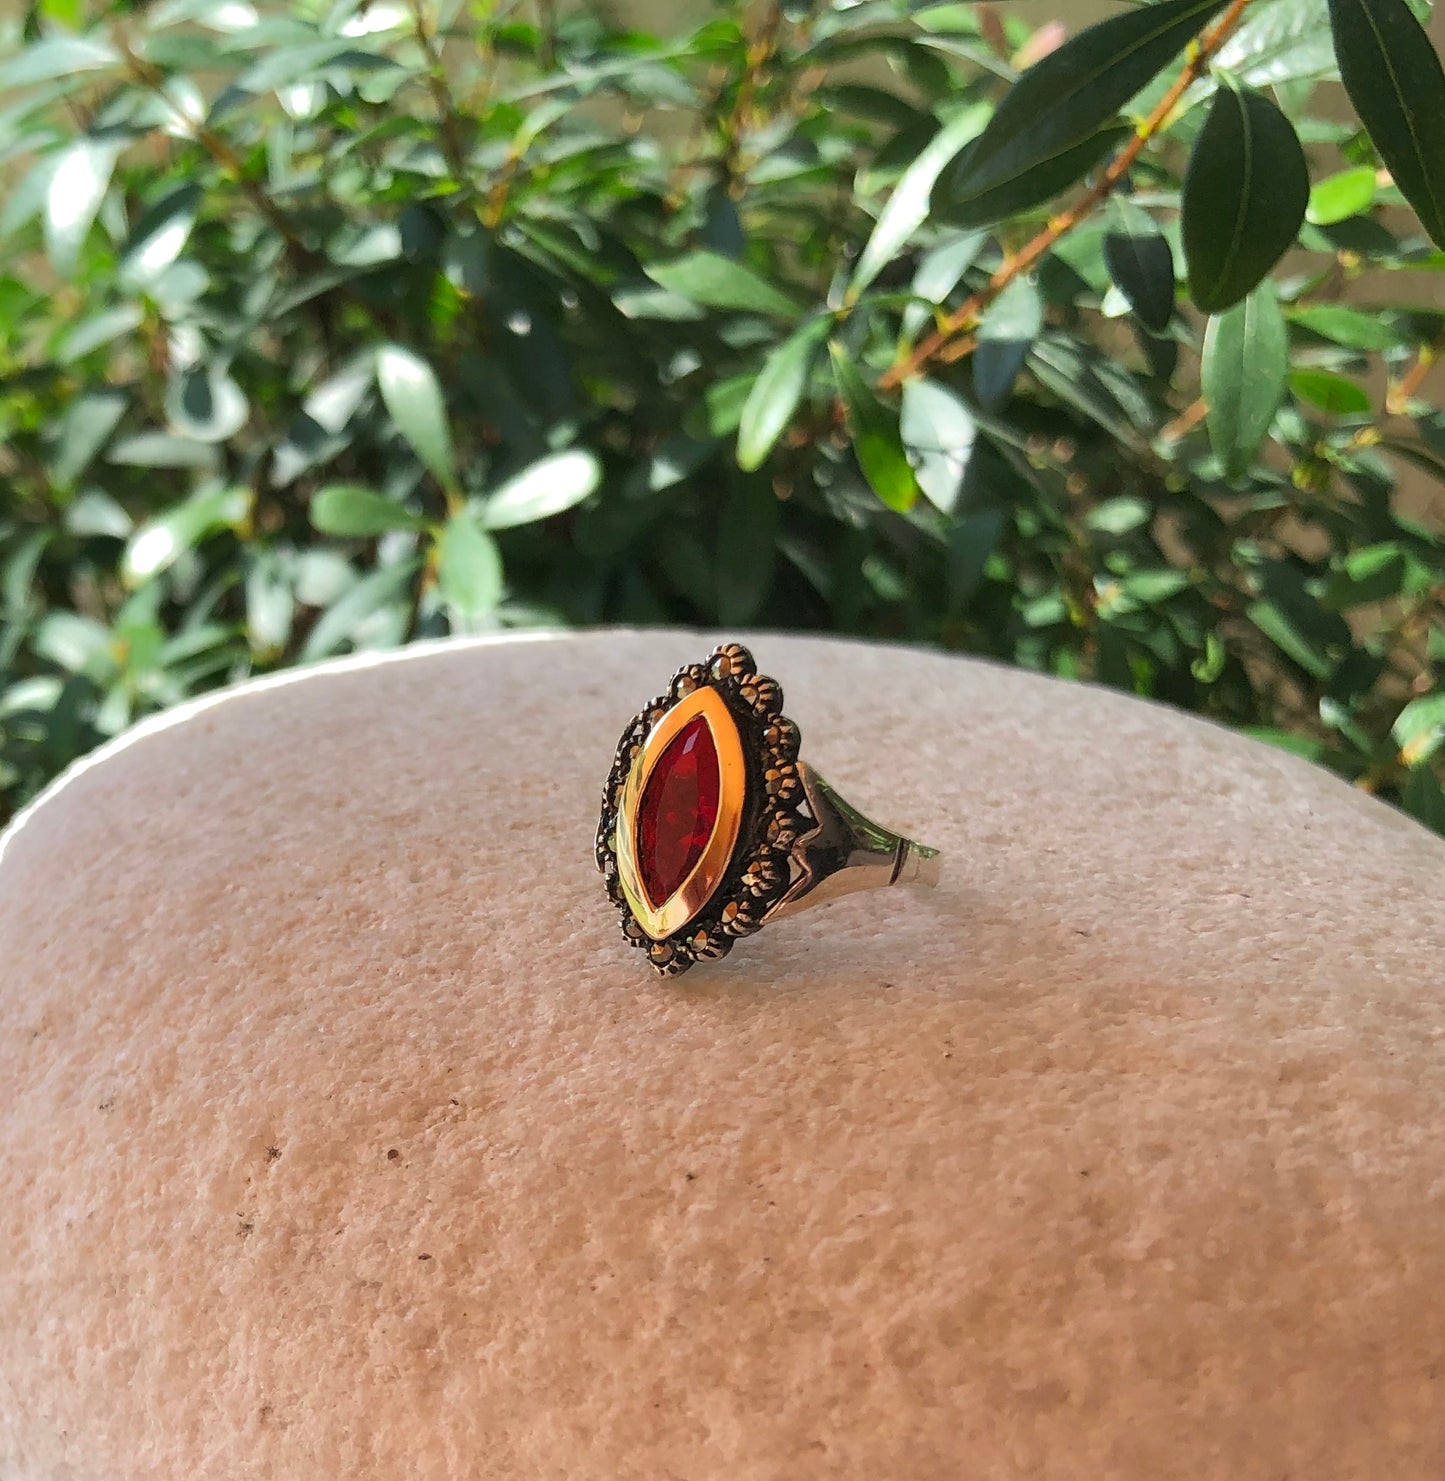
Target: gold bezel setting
(661, 918)
(744, 869)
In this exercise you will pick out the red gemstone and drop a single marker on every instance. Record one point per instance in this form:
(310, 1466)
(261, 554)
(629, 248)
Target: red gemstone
(679, 810)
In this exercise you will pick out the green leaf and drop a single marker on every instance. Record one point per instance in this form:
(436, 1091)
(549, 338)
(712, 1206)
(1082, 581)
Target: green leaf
(371, 613)
(877, 442)
(1062, 100)
(56, 56)
(746, 549)
(99, 329)
(907, 207)
(1153, 585)
(161, 450)
(1419, 729)
(1350, 327)
(1340, 196)
(776, 392)
(720, 283)
(722, 408)
(1394, 78)
(937, 275)
(469, 568)
(344, 509)
(1140, 262)
(1011, 324)
(73, 642)
(1280, 42)
(1284, 630)
(1245, 193)
(1372, 574)
(161, 540)
(1329, 392)
(203, 402)
(78, 186)
(270, 604)
(1423, 798)
(971, 541)
(961, 205)
(1286, 740)
(938, 433)
(549, 486)
(1246, 360)
(85, 429)
(414, 398)
(1119, 516)
(159, 236)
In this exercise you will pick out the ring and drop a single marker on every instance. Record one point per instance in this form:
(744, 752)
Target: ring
(712, 827)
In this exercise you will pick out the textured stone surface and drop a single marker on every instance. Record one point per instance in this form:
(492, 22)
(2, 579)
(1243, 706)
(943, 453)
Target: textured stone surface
(344, 1137)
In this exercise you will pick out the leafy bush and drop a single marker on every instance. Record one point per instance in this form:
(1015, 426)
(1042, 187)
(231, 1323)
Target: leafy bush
(328, 327)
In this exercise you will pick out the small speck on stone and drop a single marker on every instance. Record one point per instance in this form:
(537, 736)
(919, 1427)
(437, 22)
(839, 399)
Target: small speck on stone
(423, 1257)
(392, 1154)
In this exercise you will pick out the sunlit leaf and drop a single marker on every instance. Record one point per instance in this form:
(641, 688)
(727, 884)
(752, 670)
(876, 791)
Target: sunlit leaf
(1341, 195)
(81, 178)
(877, 442)
(413, 396)
(158, 542)
(908, 206)
(56, 56)
(1419, 729)
(1279, 41)
(548, 487)
(938, 433)
(776, 392)
(469, 568)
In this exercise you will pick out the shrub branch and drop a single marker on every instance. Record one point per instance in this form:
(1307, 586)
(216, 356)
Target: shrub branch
(436, 79)
(953, 338)
(760, 48)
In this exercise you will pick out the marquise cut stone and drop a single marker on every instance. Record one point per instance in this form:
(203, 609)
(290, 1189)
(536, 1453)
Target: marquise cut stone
(678, 811)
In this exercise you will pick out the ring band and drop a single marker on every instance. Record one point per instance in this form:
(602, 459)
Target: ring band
(712, 827)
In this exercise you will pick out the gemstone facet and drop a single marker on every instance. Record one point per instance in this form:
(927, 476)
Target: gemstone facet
(678, 811)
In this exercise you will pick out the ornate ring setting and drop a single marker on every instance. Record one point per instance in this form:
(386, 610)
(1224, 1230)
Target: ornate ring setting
(712, 827)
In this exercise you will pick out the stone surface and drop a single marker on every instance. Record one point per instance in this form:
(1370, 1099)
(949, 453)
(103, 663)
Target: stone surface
(345, 1138)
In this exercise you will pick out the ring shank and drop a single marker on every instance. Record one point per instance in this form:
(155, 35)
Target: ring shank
(845, 852)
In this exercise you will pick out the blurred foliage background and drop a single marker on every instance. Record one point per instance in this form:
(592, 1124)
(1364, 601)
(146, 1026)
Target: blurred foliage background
(1102, 351)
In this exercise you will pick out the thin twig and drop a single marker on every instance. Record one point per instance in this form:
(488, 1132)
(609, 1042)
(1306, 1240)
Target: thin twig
(436, 81)
(220, 150)
(1185, 422)
(938, 345)
(761, 47)
(1399, 396)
